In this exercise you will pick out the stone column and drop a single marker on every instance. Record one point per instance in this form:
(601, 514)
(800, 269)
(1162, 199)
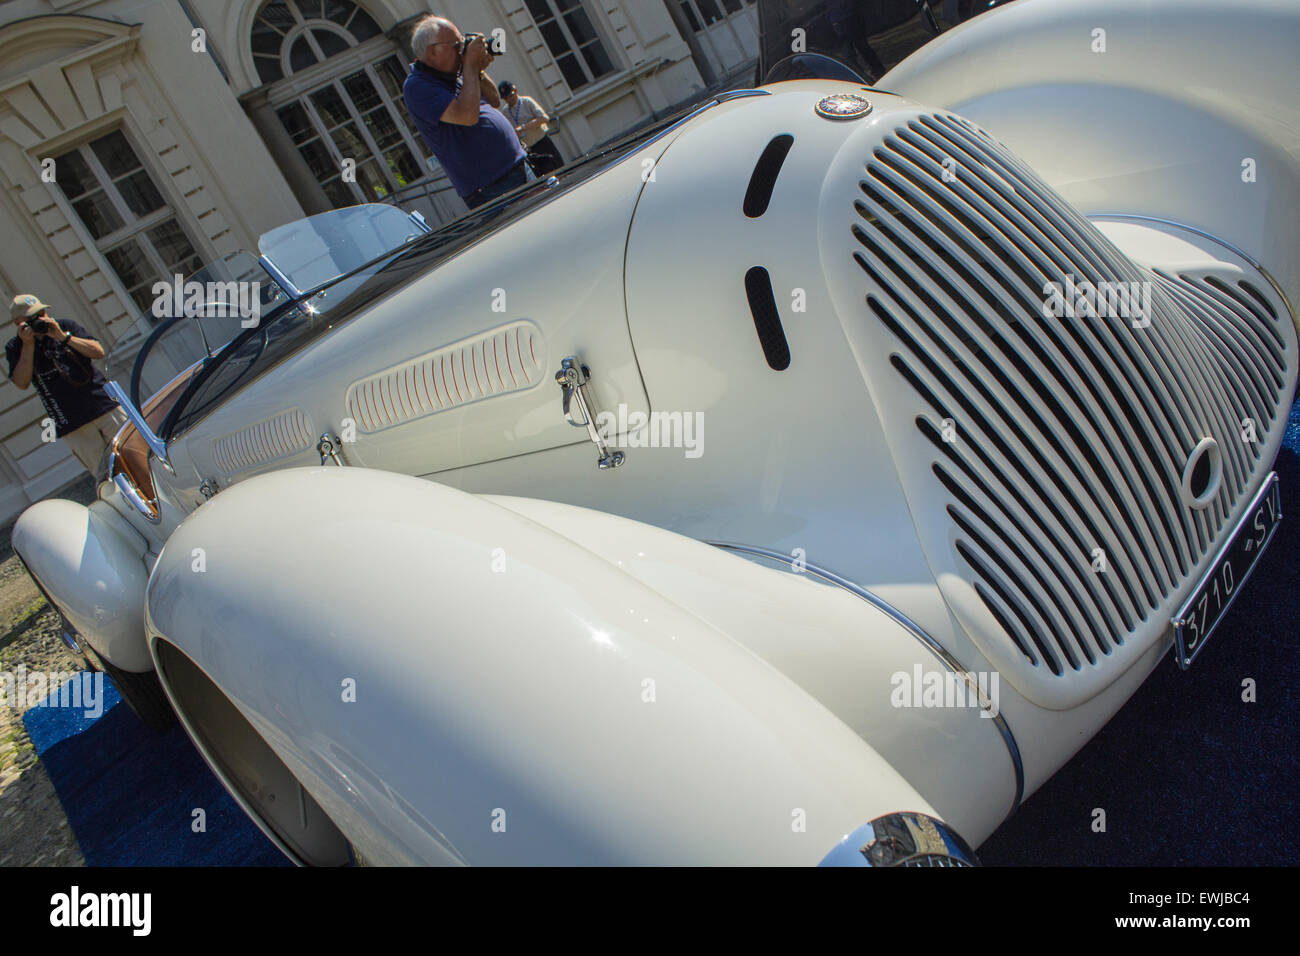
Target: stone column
(280, 145)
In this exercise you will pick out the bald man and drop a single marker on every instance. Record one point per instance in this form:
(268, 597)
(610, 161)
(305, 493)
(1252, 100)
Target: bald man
(454, 104)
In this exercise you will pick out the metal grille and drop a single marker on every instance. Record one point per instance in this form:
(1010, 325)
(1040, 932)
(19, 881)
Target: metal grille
(1061, 442)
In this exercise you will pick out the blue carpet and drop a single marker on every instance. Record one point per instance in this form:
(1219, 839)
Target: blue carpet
(130, 793)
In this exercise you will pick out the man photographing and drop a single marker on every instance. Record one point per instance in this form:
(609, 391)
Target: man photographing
(56, 356)
(454, 104)
(529, 121)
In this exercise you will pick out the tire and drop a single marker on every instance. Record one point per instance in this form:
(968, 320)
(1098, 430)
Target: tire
(145, 696)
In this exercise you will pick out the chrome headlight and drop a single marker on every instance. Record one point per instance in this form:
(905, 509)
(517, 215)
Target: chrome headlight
(902, 839)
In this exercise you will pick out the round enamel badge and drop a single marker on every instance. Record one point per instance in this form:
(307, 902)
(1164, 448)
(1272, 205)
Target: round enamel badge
(843, 106)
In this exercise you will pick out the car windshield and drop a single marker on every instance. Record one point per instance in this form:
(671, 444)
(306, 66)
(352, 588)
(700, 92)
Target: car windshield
(191, 318)
(314, 251)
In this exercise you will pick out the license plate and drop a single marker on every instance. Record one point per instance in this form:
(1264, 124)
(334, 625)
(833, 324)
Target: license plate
(1196, 619)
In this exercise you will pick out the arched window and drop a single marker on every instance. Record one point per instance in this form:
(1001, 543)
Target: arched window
(292, 35)
(337, 90)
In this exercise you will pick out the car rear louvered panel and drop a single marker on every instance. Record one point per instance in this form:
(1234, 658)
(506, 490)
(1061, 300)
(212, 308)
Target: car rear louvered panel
(285, 434)
(507, 360)
(1060, 443)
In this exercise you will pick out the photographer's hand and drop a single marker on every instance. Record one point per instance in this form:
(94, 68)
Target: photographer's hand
(22, 374)
(464, 109)
(477, 58)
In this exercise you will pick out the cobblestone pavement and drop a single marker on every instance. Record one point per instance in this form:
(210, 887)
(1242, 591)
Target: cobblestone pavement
(34, 829)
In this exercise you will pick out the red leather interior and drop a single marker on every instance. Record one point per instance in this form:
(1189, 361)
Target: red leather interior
(131, 448)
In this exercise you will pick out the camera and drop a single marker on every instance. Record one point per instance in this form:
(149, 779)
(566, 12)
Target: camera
(492, 43)
(40, 326)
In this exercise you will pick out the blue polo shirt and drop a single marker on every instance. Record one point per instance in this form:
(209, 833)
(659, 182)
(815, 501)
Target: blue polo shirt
(474, 156)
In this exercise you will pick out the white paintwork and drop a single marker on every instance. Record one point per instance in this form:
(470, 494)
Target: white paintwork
(568, 287)
(479, 690)
(524, 689)
(93, 562)
(1159, 124)
(841, 650)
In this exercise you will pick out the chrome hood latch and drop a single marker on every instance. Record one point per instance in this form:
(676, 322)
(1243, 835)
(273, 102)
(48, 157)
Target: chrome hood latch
(573, 378)
(329, 448)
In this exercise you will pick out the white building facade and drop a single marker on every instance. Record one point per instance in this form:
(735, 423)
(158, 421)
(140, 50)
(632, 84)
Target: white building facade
(141, 138)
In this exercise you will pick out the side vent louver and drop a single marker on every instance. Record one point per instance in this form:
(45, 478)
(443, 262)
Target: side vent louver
(763, 179)
(767, 321)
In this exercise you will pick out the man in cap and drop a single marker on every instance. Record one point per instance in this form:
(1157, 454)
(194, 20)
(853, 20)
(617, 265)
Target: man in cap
(529, 121)
(56, 357)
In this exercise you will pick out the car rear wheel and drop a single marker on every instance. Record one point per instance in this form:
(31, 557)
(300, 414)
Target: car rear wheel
(143, 693)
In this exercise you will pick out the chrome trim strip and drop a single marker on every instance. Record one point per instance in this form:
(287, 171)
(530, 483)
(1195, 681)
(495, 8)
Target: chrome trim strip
(937, 649)
(1213, 238)
(156, 444)
(738, 94)
(132, 494)
(280, 278)
(127, 488)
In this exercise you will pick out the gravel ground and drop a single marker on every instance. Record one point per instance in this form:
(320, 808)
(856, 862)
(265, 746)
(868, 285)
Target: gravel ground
(34, 830)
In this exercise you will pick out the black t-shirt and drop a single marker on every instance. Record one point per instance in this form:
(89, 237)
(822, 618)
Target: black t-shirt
(70, 386)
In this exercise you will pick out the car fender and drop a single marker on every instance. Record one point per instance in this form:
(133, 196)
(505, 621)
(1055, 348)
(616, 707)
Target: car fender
(454, 682)
(868, 663)
(91, 563)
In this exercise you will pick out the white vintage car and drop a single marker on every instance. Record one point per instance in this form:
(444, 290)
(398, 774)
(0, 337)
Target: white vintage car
(801, 480)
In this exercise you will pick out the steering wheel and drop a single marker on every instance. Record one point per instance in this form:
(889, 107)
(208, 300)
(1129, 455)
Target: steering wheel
(138, 370)
(255, 344)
